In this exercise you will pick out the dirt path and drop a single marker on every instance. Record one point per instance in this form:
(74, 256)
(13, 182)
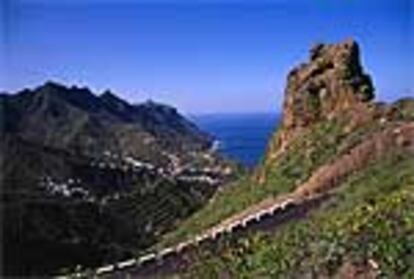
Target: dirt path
(373, 148)
(327, 176)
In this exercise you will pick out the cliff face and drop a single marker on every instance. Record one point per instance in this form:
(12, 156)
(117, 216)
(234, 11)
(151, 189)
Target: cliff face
(332, 81)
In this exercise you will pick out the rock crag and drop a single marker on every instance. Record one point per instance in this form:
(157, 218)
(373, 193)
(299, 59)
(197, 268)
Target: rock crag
(331, 82)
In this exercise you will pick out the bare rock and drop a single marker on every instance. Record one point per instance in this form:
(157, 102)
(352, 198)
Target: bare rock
(333, 80)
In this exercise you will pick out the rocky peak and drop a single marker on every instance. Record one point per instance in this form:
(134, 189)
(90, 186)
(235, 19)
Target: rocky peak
(332, 80)
(51, 86)
(115, 103)
(154, 106)
(109, 96)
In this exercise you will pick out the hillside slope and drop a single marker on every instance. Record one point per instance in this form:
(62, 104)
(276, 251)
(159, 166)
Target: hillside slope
(95, 177)
(334, 140)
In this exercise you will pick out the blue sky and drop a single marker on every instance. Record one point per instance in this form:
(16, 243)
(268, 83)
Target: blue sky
(201, 56)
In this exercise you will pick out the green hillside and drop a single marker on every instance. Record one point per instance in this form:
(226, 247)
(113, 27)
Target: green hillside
(369, 221)
(333, 141)
(319, 145)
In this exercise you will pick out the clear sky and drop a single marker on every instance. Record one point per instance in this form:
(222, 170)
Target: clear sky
(200, 56)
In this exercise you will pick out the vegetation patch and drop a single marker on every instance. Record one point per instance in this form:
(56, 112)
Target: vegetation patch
(321, 144)
(369, 224)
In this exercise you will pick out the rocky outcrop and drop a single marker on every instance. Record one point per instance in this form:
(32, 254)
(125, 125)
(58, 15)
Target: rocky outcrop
(332, 81)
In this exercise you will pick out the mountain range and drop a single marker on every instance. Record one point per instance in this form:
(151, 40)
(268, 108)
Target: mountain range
(96, 176)
(101, 187)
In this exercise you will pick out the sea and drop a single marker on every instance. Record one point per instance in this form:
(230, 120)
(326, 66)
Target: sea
(242, 137)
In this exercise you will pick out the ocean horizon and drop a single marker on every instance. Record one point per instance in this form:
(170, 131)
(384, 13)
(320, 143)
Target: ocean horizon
(242, 137)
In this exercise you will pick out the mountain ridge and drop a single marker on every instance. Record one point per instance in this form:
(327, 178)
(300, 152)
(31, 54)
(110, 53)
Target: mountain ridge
(54, 101)
(96, 176)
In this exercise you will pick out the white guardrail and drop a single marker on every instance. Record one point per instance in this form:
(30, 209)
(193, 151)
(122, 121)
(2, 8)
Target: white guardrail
(182, 245)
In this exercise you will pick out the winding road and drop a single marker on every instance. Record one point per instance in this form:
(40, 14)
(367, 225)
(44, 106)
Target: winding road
(272, 211)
